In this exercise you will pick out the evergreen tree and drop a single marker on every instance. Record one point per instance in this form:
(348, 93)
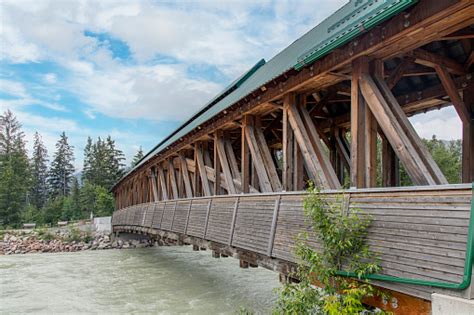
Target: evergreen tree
(138, 156)
(39, 173)
(88, 161)
(115, 165)
(14, 170)
(62, 169)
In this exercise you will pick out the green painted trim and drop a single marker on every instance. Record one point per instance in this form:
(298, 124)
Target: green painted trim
(467, 276)
(365, 25)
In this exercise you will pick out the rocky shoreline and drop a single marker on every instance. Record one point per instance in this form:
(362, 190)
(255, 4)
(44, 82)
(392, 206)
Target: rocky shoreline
(62, 241)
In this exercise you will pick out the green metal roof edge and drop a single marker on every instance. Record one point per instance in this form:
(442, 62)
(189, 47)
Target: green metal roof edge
(380, 16)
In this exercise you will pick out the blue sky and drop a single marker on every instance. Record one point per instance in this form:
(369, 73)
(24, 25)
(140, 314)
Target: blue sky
(136, 69)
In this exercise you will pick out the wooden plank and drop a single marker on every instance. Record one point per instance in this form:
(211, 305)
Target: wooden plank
(450, 87)
(222, 157)
(202, 171)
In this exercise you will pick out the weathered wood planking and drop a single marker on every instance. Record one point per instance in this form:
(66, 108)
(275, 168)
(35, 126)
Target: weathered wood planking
(220, 220)
(419, 233)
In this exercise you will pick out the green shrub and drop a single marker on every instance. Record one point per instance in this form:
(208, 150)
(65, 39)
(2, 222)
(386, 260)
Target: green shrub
(342, 234)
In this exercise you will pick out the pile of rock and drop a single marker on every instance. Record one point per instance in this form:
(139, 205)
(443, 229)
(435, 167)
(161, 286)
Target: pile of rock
(33, 242)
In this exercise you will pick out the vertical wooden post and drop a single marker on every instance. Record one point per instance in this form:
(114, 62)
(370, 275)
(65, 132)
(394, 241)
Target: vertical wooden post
(196, 181)
(287, 143)
(217, 167)
(363, 131)
(245, 159)
(468, 138)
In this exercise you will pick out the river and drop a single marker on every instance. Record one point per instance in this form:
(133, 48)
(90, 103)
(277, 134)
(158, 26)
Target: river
(157, 280)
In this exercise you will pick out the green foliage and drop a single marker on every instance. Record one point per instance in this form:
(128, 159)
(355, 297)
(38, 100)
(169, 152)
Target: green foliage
(39, 173)
(138, 156)
(14, 170)
(342, 235)
(103, 162)
(96, 199)
(62, 168)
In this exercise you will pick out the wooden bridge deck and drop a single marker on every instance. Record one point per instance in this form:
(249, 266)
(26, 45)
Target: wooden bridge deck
(418, 232)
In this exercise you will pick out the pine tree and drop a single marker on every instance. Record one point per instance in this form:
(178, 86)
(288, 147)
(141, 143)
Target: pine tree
(39, 173)
(115, 165)
(14, 170)
(62, 169)
(88, 161)
(138, 156)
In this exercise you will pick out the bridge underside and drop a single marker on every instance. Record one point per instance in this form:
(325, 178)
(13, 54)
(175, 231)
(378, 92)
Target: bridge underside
(341, 121)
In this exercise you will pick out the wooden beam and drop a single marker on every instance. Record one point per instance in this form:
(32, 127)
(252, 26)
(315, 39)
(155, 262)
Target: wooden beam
(398, 130)
(245, 157)
(269, 164)
(318, 166)
(398, 72)
(172, 174)
(217, 166)
(468, 138)
(390, 165)
(232, 159)
(202, 170)
(358, 125)
(466, 33)
(211, 175)
(432, 60)
(153, 182)
(257, 157)
(450, 87)
(222, 157)
(287, 143)
(185, 175)
(161, 176)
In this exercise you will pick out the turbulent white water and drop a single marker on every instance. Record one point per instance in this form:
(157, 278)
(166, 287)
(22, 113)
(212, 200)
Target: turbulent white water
(158, 280)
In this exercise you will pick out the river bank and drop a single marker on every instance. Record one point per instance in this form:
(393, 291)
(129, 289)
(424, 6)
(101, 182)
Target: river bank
(62, 240)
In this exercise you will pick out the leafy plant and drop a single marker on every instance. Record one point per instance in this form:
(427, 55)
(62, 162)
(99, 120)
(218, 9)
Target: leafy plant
(342, 234)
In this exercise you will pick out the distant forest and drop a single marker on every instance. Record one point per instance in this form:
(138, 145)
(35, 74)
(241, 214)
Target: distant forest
(36, 189)
(42, 189)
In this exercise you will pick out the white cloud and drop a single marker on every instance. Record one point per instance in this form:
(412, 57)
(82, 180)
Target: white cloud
(161, 92)
(50, 78)
(443, 123)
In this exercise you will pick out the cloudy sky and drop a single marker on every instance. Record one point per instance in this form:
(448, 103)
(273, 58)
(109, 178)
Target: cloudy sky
(137, 69)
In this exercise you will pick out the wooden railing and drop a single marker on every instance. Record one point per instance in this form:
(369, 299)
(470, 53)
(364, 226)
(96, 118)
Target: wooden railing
(418, 232)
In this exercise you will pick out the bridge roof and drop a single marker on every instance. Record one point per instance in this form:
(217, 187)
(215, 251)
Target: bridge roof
(351, 20)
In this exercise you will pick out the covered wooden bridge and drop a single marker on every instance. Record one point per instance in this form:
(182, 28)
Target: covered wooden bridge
(332, 108)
